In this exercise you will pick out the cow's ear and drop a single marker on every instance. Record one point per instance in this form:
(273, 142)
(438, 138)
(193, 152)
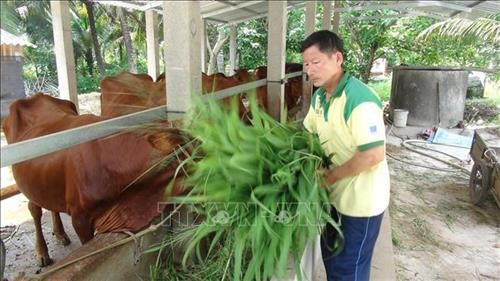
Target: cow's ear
(164, 142)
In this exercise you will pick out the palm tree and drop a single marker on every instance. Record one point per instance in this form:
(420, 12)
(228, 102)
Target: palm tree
(82, 41)
(484, 29)
(93, 32)
(10, 20)
(127, 40)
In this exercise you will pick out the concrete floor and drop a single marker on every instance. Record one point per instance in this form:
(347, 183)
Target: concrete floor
(383, 268)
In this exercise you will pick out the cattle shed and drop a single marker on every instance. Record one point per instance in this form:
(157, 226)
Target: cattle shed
(184, 61)
(11, 61)
(184, 24)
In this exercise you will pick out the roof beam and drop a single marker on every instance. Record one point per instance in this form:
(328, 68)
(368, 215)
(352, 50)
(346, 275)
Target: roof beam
(376, 17)
(244, 19)
(400, 15)
(425, 14)
(406, 5)
(151, 5)
(412, 13)
(470, 6)
(231, 8)
(215, 20)
(122, 4)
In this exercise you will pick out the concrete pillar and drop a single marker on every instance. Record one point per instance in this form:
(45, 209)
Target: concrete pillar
(307, 85)
(276, 46)
(63, 49)
(327, 15)
(182, 29)
(203, 39)
(310, 17)
(152, 43)
(336, 17)
(232, 49)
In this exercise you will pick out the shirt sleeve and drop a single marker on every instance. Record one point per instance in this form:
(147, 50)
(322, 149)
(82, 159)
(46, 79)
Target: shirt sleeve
(309, 121)
(367, 126)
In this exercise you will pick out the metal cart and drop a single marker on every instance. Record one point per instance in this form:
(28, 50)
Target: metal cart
(485, 174)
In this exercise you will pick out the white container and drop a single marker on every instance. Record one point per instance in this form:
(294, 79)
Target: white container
(399, 117)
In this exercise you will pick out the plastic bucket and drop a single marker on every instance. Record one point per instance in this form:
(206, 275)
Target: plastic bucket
(399, 117)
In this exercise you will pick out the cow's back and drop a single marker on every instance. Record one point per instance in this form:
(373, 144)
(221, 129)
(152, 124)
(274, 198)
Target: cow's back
(127, 93)
(91, 177)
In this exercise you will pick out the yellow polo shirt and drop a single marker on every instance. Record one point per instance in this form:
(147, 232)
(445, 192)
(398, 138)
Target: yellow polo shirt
(352, 121)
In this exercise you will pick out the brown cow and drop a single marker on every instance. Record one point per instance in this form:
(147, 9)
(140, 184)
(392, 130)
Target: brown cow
(106, 185)
(293, 87)
(219, 81)
(127, 93)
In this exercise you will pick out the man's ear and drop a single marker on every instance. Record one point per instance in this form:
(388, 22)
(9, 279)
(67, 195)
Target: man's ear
(340, 57)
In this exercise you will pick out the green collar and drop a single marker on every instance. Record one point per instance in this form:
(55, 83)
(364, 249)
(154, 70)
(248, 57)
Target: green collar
(337, 93)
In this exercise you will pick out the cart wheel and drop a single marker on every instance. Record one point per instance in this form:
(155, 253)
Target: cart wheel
(479, 183)
(2, 259)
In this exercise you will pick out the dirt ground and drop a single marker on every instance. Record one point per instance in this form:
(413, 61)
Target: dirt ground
(437, 234)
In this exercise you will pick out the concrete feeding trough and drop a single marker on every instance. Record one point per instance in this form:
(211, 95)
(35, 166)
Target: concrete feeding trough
(434, 95)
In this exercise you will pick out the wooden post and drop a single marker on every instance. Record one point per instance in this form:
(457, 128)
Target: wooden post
(276, 46)
(63, 49)
(8, 191)
(152, 44)
(182, 29)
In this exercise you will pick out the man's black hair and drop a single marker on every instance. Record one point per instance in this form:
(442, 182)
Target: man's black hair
(327, 42)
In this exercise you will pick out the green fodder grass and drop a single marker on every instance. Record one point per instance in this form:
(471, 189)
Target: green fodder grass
(257, 190)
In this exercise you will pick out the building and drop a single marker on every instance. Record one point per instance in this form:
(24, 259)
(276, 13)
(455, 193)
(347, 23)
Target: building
(11, 63)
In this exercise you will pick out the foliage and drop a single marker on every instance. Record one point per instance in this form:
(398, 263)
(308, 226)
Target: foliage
(435, 50)
(252, 40)
(252, 44)
(407, 40)
(10, 19)
(382, 88)
(483, 111)
(87, 84)
(168, 269)
(364, 41)
(258, 179)
(483, 29)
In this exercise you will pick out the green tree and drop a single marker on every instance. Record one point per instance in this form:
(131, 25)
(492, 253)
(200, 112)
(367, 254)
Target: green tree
(364, 40)
(93, 31)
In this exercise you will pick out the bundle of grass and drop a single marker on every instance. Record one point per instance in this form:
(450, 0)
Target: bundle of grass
(257, 190)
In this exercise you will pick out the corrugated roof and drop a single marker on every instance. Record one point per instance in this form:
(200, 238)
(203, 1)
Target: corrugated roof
(7, 38)
(239, 11)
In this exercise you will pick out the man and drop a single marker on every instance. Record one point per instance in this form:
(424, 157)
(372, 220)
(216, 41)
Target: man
(347, 116)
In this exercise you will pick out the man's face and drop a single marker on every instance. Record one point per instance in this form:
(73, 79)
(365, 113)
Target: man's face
(321, 67)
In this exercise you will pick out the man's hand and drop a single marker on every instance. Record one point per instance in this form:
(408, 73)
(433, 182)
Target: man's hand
(360, 162)
(326, 177)
(331, 177)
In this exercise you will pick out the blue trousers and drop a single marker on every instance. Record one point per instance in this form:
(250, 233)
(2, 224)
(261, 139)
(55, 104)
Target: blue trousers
(353, 263)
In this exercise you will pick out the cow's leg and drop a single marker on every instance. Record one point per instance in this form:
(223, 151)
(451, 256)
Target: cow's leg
(58, 229)
(41, 246)
(83, 227)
